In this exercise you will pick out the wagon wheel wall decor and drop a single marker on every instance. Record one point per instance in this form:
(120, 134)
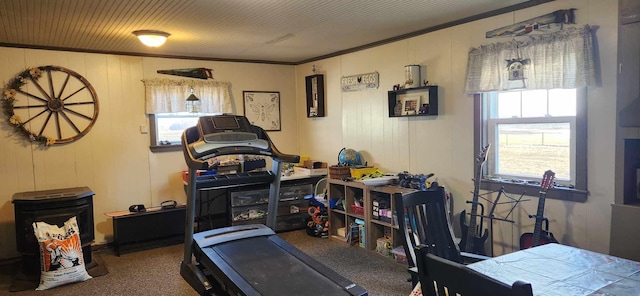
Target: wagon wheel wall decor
(50, 105)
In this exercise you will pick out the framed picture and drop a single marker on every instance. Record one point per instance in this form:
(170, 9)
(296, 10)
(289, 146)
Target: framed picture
(411, 105)
(262, 108)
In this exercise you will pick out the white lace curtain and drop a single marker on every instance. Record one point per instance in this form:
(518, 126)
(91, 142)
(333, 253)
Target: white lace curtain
(564, 59)
(169, 96)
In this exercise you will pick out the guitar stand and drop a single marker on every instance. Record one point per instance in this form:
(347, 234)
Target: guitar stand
(513, 201)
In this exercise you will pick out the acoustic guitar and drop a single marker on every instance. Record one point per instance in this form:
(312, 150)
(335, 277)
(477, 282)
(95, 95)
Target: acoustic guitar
(540, 236)
(471, 241)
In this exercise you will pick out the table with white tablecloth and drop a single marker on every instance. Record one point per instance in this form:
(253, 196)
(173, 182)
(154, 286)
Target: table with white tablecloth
(555, 269)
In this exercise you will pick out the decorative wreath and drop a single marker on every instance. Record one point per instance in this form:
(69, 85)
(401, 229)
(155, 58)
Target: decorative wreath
(64, 105)
(8, 100)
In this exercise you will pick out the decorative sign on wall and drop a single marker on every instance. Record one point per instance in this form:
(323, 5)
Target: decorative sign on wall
(50, 105)
(360, 82)
(262, 108)
(547, 23)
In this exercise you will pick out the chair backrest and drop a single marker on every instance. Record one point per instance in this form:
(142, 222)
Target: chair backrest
(439, 276)
(426, 221)
(320, 187)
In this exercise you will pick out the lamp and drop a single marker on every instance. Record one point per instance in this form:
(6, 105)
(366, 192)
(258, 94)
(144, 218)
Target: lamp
(193, 103)
(151, 38)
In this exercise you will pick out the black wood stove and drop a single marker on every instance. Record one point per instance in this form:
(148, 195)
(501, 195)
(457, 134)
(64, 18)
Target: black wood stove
(53, 207)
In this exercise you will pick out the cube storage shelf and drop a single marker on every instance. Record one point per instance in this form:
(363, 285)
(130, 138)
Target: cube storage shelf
(428, 95)
(380, 223)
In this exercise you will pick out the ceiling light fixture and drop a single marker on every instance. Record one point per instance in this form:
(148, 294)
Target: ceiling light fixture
(151, 38)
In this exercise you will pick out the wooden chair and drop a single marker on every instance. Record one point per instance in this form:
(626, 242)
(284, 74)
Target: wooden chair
(426, 221)
(439, 276)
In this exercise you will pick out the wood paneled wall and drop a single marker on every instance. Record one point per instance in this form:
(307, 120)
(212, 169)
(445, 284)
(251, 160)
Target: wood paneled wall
(444, 144)
(114, 159)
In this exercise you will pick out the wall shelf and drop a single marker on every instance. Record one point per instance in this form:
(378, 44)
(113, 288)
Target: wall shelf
(427, 106)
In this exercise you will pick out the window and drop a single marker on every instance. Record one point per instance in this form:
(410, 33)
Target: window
(166, 106)
(531, 131)
(166, 129)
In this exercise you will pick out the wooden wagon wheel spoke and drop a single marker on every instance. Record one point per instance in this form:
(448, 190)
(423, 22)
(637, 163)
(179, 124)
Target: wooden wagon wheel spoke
(41, 112)
(70, 122)
(75, 92)
(45, 124)
(57, 120)
(76, 113)
(63, 94)
(32, 106)
(64, 85)
(32, 96)
(78, 103)
(35, 82)
(53, 93)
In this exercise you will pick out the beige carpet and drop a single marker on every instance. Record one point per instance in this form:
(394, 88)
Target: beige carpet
(156, 271)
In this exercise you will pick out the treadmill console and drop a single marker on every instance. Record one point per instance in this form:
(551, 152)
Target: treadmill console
(226, 134)
(225, 128)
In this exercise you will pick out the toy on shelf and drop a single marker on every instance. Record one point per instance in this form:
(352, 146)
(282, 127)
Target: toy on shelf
(418, 181)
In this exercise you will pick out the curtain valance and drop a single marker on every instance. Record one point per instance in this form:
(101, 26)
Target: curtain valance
(564, 59)
(168, 96)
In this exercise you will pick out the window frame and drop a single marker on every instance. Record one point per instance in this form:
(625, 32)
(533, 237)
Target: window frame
(579, 193)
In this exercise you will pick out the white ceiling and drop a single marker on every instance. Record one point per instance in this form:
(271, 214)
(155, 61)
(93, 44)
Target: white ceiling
(280, 31)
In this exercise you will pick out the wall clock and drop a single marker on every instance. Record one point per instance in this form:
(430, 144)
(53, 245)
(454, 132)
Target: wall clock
(50, 105)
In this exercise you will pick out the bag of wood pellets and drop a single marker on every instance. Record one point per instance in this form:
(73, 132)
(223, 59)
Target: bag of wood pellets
(61, 260)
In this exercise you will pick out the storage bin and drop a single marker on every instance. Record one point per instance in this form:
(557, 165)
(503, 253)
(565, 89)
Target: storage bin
(339, 172)
(359, 172)
(333, 202)
(357, 210)
(249, 197)
(249, 213)
(294, 192)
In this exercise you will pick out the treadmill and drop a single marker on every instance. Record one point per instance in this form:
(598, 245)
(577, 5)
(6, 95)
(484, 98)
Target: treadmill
(245, 259)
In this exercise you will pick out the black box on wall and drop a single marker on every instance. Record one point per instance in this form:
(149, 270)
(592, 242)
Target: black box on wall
(315, 95)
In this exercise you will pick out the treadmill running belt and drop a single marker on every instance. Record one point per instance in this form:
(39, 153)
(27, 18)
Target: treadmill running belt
(272, 270)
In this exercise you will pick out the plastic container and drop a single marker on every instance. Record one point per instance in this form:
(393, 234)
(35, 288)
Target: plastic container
(357, 210)
(359, 172)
